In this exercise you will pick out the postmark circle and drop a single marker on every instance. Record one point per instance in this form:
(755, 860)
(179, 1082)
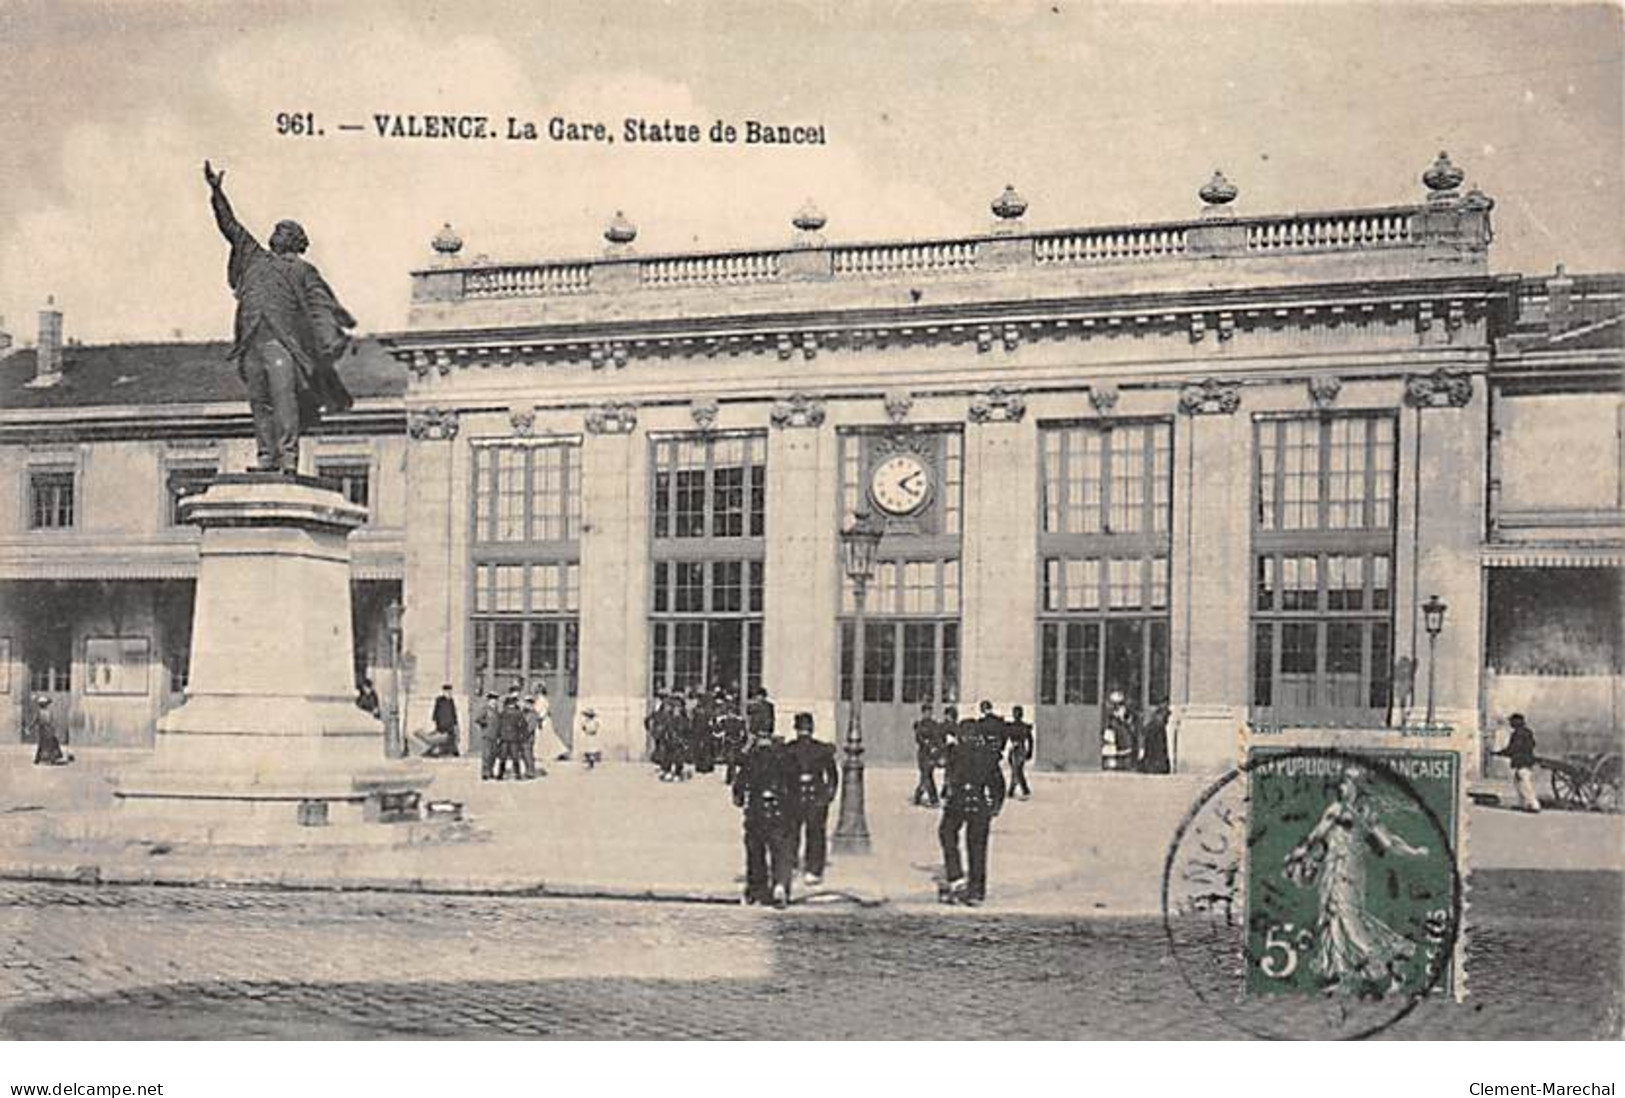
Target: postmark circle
(1317, 894)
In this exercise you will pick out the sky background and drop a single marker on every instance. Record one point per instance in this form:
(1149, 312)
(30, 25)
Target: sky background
(1098, 113)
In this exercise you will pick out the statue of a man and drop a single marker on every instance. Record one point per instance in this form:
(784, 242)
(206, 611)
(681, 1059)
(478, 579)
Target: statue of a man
(290, 331)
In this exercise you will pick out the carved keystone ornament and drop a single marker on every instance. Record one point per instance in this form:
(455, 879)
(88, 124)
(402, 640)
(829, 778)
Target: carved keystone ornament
(1210, 397)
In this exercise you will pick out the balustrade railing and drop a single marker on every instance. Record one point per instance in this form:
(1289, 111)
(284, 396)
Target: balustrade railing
(1314, 232)
(1110, 245)
(537, 280)
(883, 259)
(1386, 228)
(711, 270)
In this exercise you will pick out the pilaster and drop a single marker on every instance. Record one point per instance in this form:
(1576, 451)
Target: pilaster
(614, 586)
(1212, 535)
(798, 645)
(1000, 559)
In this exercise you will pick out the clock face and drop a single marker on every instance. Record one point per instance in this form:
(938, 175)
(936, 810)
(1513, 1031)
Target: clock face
(901, 484)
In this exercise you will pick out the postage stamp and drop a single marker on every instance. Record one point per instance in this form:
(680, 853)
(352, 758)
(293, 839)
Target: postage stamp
(1318, 893)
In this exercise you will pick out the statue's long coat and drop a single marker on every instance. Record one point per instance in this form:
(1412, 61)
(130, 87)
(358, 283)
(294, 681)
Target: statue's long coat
(285, 298)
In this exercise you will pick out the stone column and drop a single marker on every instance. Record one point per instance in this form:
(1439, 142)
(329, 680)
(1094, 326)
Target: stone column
(434, 620)
(1211, 565)
(799, 642)
(615, 578)
(999, 569)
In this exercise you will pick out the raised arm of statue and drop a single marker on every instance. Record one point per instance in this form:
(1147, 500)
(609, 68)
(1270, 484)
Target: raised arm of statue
(230, 227)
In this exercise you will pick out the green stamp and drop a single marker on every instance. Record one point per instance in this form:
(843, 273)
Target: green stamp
(1352, 883)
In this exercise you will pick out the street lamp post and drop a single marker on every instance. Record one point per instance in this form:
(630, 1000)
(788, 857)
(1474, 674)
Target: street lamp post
(394, 727)
(1433, 618)
(859, 543)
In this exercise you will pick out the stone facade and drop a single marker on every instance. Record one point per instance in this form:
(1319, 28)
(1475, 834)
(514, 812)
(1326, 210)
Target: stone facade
(1210, 328)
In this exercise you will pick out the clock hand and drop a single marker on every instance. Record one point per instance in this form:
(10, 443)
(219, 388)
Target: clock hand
(906, 483)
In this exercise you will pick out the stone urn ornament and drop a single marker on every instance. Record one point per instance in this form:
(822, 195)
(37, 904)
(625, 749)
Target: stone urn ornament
(1443, 177)
(620, 232)
(446, 243)
(1009, 206)
(1218, 191)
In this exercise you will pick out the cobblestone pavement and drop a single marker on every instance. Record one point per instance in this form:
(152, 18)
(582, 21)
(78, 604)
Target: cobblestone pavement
(151, 962)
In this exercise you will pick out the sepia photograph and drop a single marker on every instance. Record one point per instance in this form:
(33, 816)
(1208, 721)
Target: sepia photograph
(799, 521)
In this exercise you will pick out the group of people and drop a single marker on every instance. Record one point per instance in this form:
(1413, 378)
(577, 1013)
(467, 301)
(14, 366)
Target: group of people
(1130, 742)
(510, 731)
(513, 729)
(696, 730)
(784, 791)
(933, 737)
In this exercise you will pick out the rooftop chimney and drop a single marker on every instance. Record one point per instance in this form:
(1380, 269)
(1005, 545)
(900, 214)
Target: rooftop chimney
(1559, 302)
(48, 355)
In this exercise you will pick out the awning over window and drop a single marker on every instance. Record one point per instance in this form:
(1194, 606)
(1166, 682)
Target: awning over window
(1549, 556)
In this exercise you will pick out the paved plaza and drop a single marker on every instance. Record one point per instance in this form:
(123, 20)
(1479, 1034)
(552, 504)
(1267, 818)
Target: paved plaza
(135, 962)
(521, 929)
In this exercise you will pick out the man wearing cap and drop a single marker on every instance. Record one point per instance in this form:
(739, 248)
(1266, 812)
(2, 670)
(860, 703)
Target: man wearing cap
(928, 744)
(442, 742)
(973, 793)
(532, 718)
(290, 330)
(815, 778)
(1520, 753)
(485, 730)
(49, 751)
(762, 789)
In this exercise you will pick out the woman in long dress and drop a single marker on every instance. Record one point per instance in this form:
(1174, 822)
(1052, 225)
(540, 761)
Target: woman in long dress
(548, 744)
(1354, 949)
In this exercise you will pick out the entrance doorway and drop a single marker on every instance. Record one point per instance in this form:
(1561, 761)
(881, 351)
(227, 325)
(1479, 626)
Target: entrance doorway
(906, 663)
(1081, 662)
(706, 653)
(534, 654)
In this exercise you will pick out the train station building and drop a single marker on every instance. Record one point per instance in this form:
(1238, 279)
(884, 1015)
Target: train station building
(1222, 462)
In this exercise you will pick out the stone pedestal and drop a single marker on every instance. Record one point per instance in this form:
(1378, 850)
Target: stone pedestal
(270, 716)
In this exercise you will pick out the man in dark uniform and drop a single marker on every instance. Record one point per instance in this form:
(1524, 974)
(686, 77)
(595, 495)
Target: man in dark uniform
(290, 330)
(992, 727)
(762, 789)
(815, 780)
(486, 725)
(759, 712)
(442, 742)
(1021, 750)
(735, 736)
(510, 737)
(702, 716)
(973, 794)
(927, 754)
(1154, 740)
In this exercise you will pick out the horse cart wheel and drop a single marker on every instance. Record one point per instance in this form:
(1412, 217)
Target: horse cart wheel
(1605, 781)
(1566, 789)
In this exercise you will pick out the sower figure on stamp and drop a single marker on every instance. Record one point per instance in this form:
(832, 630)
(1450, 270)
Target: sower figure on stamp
(973, 793)
(762, 789)
(290, 330)
(815, 780)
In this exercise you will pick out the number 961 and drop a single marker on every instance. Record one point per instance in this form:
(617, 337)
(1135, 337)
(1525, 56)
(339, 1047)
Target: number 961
(296, 123)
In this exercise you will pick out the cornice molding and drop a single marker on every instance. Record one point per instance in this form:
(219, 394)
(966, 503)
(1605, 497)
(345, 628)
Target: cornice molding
(1003, 327)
